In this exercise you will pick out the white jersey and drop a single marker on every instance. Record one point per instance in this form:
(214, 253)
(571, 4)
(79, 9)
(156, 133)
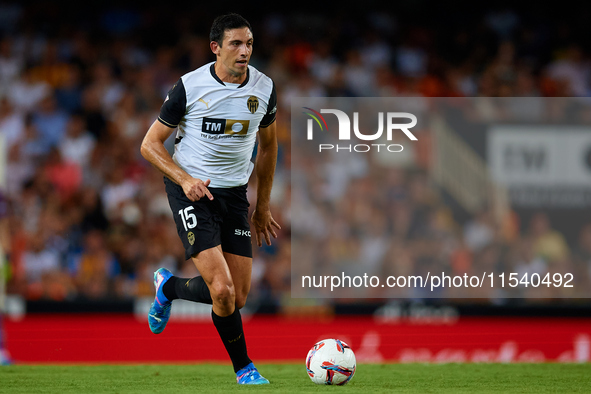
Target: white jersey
(218, 122)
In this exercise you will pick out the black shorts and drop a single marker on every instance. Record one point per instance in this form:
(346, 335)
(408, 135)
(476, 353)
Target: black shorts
(208, 223)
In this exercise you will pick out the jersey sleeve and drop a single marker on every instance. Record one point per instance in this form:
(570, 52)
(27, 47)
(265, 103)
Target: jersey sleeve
(269, 117)
(175, 105)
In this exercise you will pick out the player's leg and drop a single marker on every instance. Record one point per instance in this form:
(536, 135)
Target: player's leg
(198, 226)
(225, 315)
(190, 289)
(241, 271)
(237, 248)
(196, 290)
(236, 242)
(216, 275)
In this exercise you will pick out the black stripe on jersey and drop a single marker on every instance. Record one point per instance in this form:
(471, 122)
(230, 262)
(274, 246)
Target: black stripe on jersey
(269, 117)
(247, 78)
(215, 76)
(175, 106)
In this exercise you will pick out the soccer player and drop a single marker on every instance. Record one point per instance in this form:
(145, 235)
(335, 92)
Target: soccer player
(218, 109)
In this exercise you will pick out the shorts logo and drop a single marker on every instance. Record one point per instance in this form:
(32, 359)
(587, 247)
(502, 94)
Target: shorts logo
(253, 104)
(242, 233)
(191, 237)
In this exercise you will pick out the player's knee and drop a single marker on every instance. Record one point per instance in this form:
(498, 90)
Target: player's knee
(223, 293)
(240, 301)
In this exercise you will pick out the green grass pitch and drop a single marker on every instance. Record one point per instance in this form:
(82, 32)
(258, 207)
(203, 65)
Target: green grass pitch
(289, 378)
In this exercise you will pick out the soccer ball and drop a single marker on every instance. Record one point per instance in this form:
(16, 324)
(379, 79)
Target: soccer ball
(331, 361)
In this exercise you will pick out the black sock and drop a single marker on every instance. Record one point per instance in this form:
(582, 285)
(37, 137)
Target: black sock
(191, 289)
(232, 334)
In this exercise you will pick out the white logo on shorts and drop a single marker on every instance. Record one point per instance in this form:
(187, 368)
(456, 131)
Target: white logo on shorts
(243, 233)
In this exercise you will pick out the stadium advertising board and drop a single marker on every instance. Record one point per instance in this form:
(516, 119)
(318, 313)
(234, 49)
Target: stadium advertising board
(86, 339)
(542, 166)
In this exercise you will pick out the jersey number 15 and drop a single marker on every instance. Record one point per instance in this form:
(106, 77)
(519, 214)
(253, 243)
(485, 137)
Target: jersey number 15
(189, 219)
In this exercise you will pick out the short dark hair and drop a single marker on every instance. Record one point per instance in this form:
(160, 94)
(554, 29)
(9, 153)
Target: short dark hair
(226, 22)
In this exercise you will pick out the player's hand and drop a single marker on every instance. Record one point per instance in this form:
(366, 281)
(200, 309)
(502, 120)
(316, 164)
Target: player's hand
(263, 223)
(195, 189)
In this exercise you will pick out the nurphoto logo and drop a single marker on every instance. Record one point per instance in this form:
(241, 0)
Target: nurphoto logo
(345, 130)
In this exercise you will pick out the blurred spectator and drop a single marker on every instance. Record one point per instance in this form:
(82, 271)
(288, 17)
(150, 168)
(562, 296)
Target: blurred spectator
(69, 93)
(376, 52)
(301, 86)
(95, 267)
(411, 61)
(322, 64)
(528, 262)
(479, 232)
(41, 265)
(50, 121)
(12, 124)
(127, 119)
(117, 191)
(358, 78)
(78, 143)
(547, 242)
(109, 90)
(338, 86)
(96, 120)
(64, 175)
(51, 69)
(26, 92)
(583, 250)
(33, 146)
(572, 70)
(93, 217)
(10, 66)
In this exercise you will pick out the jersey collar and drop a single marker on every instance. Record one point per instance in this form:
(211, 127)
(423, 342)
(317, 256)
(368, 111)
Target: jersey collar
(215, 76)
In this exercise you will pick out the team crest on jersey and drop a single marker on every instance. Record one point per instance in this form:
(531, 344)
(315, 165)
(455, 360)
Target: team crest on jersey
(253, 104)
(191, 237)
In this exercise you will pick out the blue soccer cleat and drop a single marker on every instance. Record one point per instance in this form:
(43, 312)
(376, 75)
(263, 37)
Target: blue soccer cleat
(250, 375)
(160, 308)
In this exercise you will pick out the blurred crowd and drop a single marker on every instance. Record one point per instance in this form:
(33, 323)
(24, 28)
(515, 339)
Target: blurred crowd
(80, 87)
(358, 214)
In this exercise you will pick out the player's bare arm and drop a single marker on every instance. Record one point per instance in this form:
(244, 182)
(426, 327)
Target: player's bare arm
(155, 152)
(262, 219)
